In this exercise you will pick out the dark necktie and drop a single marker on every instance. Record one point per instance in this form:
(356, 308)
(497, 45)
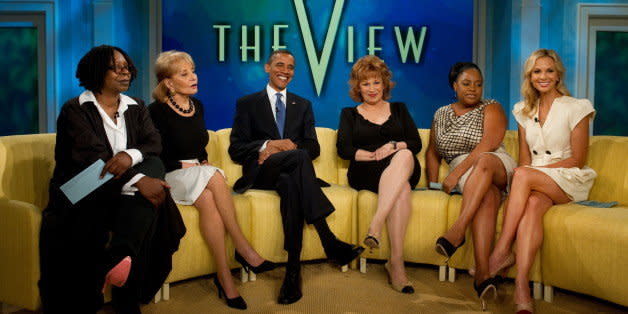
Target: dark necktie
(280, 109)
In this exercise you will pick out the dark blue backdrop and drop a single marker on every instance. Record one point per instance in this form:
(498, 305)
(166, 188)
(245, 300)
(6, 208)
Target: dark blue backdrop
(189, 26)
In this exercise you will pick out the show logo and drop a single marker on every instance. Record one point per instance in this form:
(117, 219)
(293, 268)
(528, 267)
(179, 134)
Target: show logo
(409, 40)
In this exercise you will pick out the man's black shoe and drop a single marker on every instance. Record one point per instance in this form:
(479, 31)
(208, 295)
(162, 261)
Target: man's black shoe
(342, 253)
(291, 288)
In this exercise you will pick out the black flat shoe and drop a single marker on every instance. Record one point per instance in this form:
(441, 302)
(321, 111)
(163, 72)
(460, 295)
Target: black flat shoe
(484, 288)
(445, 248)
(343, 253)
(236, 303)
(290, 291)
(263, 267)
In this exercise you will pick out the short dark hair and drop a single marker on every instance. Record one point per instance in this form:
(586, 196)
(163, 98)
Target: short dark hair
(277, 52)
(93, 67)
(460, 67)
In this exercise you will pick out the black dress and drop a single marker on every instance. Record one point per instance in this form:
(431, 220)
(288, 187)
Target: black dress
(182, 137)
(355, 133)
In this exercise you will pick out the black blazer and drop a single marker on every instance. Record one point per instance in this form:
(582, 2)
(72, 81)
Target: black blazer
(81, 140)
(254, 123)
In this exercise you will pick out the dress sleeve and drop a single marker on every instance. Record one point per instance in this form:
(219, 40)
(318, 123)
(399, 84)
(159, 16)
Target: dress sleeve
(517, 112)
(578, 110)
(410, 131)
(344, 143)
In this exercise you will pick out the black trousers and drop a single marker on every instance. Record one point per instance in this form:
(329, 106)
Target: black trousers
(79, 245)
(292, 175)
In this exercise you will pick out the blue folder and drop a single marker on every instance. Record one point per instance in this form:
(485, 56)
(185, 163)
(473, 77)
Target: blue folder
(85, 182)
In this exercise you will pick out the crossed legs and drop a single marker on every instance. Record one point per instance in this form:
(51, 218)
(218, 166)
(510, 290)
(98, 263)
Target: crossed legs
(480, 204)
(394, 206)
(217, 215)
(532, 194)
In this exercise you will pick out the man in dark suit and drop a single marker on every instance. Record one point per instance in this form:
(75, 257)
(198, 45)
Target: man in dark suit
(274, 139)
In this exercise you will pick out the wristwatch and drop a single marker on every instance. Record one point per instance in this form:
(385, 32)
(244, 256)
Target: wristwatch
(394, 144)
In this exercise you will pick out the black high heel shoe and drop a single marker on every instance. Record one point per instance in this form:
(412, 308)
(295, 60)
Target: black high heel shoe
(265, 266)
(483, 289)
(445, 248)
(236, 303)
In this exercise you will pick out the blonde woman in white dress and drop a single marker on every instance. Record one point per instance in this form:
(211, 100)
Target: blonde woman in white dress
(553, 143)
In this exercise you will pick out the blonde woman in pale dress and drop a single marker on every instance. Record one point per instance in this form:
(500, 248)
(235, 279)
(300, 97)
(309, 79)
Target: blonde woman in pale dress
(179, 118)
(553, 142)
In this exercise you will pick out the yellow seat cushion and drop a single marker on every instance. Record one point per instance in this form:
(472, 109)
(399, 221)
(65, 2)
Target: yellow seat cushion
(586, 250)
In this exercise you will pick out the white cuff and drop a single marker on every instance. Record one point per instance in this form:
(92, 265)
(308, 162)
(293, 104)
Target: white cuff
(128, 188)
(136, 156)
(263, 146)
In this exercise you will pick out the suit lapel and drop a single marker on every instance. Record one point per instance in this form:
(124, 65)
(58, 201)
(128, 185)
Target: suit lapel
(267, 116)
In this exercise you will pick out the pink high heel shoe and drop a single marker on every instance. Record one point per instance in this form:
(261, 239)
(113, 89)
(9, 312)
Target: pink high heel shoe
(118, 275)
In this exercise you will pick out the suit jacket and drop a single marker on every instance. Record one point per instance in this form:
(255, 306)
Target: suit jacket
(254, 123)
(81, 140)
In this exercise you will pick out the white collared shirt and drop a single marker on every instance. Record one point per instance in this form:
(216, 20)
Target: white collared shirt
(116, 134)
(272, 96)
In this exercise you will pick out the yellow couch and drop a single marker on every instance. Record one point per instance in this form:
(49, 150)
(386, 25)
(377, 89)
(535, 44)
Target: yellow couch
(585, 249)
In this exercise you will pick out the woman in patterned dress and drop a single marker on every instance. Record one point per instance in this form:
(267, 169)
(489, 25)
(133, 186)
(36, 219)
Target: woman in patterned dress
(468, 134)
(553, 143)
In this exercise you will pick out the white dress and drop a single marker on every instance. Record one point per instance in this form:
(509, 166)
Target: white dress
(551, 143)
(186, 184)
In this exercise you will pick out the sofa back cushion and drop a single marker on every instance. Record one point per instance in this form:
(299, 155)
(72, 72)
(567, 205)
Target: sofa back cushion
(232, 170)
(607, 156)
(326, 165)
(26, 166)
(214, 157)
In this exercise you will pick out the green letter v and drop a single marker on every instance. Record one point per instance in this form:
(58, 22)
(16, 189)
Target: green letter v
(319, 67)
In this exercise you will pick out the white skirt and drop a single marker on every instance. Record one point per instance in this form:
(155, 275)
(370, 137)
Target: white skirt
(186, 184)
(509, 165)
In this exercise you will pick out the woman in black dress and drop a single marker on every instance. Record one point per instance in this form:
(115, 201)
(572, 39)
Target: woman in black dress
(381, 141)
(179, 118)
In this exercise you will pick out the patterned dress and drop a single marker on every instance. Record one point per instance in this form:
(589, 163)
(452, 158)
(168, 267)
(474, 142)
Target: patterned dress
(456, 136)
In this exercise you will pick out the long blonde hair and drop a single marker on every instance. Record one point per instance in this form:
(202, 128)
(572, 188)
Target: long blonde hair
(530, 94)
(166, 67)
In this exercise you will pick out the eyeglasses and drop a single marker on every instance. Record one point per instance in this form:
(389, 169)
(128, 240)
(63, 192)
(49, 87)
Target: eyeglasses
(119, 68)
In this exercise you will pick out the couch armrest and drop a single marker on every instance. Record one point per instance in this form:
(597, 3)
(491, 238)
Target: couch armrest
(19, 253)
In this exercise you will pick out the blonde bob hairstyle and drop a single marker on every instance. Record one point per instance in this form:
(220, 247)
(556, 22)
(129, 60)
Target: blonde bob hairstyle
(165, 67)
(365, 68)
(530, 94)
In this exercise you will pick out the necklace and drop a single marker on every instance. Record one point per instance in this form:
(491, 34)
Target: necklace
(184, 111)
